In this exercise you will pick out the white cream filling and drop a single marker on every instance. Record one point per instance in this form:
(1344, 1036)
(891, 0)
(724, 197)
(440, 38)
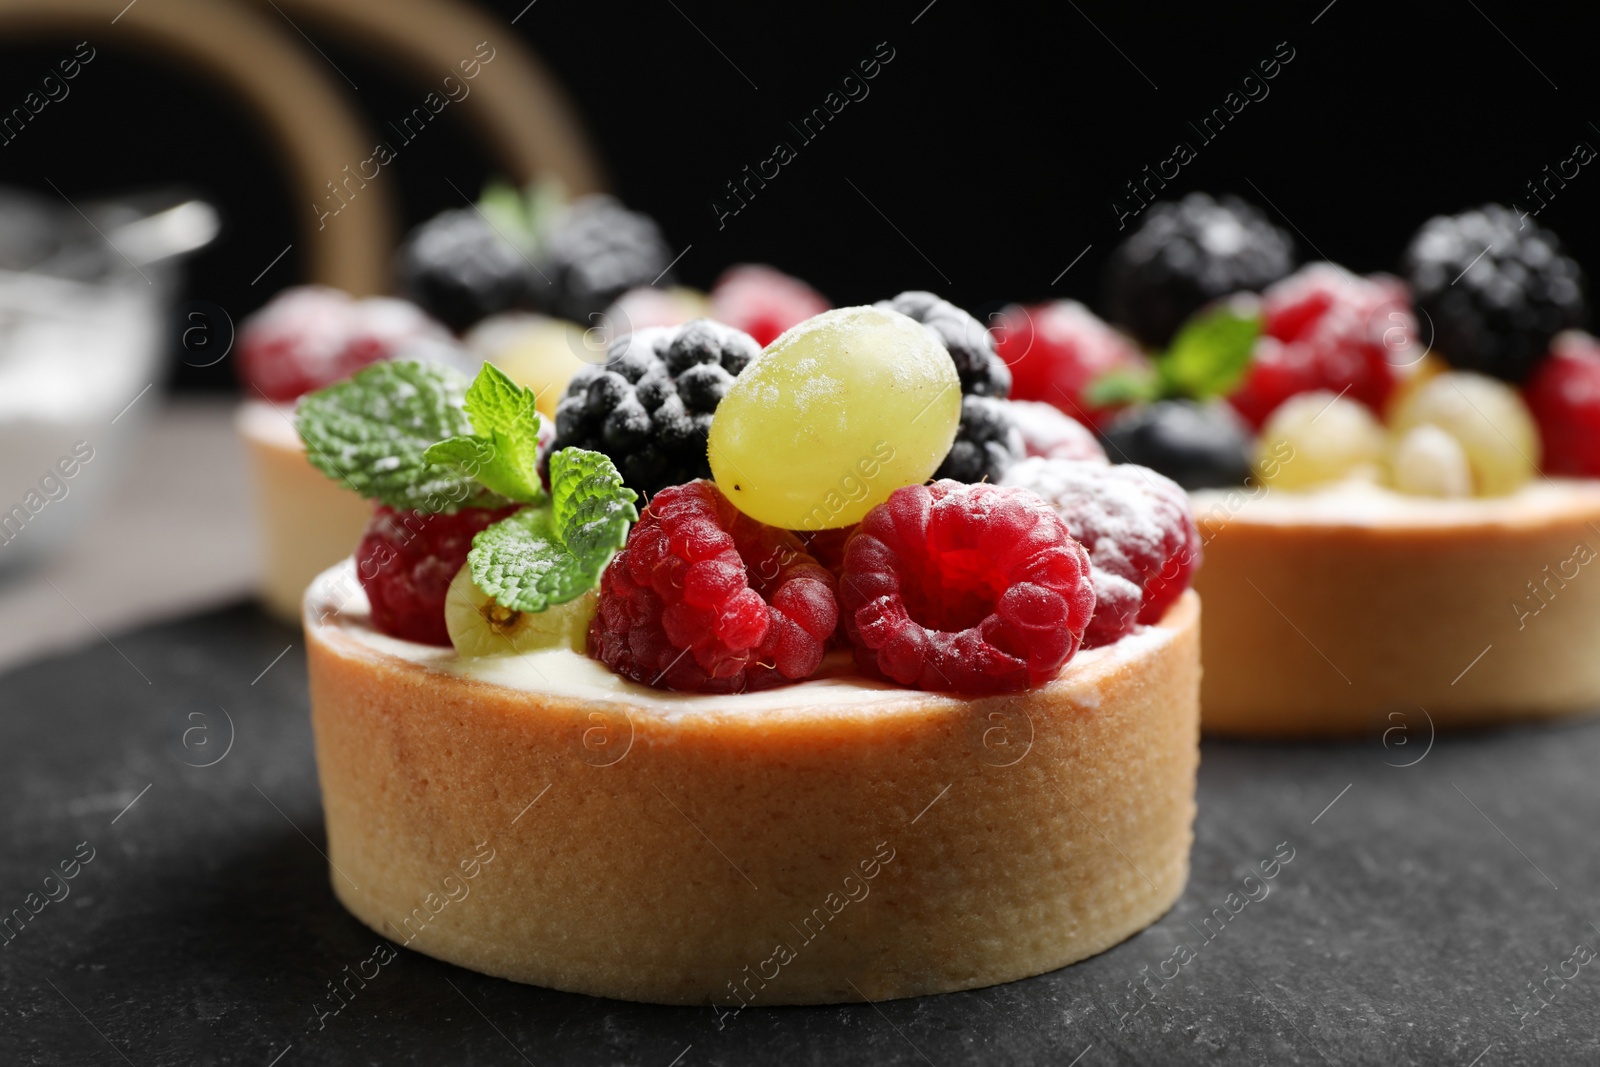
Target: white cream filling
(336, 600)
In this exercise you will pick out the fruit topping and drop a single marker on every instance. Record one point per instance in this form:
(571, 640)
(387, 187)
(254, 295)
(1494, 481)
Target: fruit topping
(1496, 289)
(763, 302)
(479, 625)
(536, 351)
(1327, 329)
(705, 599)
(1137, 528)
(649, 405)
(1056, 351)
(972, 589)
(1321, 437)
(1197, 445)
(1486, 417)
(1564, 394)
(461, 269)
(406, 561)
(450, 462)
(971, 347)
(1186, 254)
(594, 252)
(987, 442)
(1427, 461)
(841, 411)
(1047, 432)
(311, 336)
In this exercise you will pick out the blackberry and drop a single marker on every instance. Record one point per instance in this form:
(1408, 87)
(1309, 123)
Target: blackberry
(1496, 288)
(594, 252)
(461, 271)
(1185, 255)
(980, 368)
(987, 443)
(649, 405)
(988, 439)
(1199, 446)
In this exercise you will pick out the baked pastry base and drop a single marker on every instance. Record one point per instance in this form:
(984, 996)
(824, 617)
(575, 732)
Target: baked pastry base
(1355, 611)
(777, 848)
(307, 521)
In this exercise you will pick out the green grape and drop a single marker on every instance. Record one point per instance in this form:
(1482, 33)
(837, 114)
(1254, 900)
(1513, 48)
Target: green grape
(478, 626)
(1487, 418)
(1427, 461)
(838, 413)
(1316, 438)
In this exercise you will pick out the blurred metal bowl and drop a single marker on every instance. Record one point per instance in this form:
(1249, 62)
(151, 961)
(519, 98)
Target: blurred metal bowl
(85, 295)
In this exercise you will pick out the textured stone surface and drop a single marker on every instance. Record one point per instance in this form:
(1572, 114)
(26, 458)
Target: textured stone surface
(1404, 930)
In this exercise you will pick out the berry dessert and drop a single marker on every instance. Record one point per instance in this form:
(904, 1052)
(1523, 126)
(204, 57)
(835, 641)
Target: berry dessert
(304, 339)
(497, 273)
(727, 643)
(1186, 254)
(1395, 479)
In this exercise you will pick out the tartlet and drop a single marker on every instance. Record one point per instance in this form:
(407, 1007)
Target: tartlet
(306, 522)
(830, 841)
(1352, 609)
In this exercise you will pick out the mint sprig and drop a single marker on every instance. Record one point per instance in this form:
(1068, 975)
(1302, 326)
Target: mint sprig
(1208, 358)
(1211, 352)
(372, 432)
(553, 553)
(502, 451)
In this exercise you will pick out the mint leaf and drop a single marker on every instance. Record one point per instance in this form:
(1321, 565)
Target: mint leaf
(554, 553)
(373, 431)
(1211, 353)
(502, 452)
(1116, 387)
(506, 212)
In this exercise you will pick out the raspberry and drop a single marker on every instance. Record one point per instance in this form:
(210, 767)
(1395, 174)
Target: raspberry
(1136, 526)
(1183, 256)
(827, 546)
(1057, 350)
(462, 270)
(595, 251)
(311, 336)
(405, 562)
(763, 302)
(974, 589)
(1328, 330)
(1564, 395)
(649, 405)
(1046, 432)
(704, 599)
(1496, 288)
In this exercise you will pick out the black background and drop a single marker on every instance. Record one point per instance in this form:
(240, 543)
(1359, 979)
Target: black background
(984, 160)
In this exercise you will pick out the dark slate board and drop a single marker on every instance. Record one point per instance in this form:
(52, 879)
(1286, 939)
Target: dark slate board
(1406, 930)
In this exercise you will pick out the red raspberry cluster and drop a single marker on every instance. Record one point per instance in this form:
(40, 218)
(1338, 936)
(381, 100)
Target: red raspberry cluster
(1137, 528)
(703, 598)
(1057, 350)
(1328, 329)
(311, 336)
(763, 302)
(1564, 396)
(971, 589)
(405, 562)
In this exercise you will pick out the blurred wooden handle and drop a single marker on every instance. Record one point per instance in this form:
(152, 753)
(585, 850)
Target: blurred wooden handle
(518, 108)
(294, 93)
